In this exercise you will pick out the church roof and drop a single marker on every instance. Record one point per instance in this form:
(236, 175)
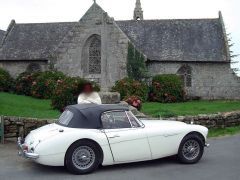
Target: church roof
(199, 40)
(1, 34)
(178, 40)
(33, 41)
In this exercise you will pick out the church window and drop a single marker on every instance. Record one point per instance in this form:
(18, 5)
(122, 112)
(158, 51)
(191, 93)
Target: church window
(185, 73)
(33, 67)
(95, 56)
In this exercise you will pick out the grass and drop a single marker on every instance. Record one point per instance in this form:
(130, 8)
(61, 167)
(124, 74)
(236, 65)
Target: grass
(224, 131)
(23, 106)
(189, 108)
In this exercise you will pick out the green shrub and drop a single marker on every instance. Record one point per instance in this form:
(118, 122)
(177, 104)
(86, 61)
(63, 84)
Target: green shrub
(24, 82)
(167, 88)
(129, 87)
(67, 91)
(6, 81)
(45, 84)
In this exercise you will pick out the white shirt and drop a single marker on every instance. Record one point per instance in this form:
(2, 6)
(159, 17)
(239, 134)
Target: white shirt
(89, 98)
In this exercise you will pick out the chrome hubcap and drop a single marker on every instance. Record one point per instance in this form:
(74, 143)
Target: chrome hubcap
(83, 157)
(191, 149)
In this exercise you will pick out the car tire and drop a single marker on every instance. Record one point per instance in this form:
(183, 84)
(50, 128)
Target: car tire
(191, 149)
(83, 157)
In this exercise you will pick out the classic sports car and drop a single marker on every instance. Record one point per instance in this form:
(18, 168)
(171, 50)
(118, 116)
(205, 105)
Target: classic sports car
(89, 135)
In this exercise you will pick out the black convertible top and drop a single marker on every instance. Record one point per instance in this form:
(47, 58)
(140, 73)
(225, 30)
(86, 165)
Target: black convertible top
(88, 116)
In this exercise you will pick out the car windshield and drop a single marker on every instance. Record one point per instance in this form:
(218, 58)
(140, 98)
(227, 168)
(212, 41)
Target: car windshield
(135, 121)
(65, 118)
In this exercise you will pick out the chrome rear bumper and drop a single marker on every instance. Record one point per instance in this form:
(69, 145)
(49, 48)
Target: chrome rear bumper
(207, 145)
(25, 153)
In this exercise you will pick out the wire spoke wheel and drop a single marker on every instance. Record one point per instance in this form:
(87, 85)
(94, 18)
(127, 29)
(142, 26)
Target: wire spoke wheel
(83, 157)
(191, 149)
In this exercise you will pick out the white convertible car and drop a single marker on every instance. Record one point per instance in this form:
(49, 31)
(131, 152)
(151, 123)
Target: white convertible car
(88, 135)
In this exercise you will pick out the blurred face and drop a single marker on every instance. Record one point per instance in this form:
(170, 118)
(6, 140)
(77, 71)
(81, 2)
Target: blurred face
(87, 89)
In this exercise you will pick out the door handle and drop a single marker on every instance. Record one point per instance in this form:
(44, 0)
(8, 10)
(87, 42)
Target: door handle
(114, 136)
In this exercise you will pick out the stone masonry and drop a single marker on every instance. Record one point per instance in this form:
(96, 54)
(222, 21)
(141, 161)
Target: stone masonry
(209, 80)
(17, 126)
(96, 48)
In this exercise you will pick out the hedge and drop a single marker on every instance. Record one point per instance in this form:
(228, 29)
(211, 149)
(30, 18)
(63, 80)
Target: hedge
(6, 81)
(167, 88)
(45, 84)
(24, 82)
(67, 91)
(129, 87)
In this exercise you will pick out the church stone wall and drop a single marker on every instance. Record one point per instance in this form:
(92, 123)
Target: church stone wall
(73, 61)
(17, 67)
(209, 80)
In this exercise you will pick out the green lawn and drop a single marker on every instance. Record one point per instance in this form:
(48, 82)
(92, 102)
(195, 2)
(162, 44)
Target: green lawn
(23, 106)
(15, 105)
(189, 108)
(224, 131)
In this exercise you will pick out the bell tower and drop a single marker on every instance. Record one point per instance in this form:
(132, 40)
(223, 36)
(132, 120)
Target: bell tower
(138, 12)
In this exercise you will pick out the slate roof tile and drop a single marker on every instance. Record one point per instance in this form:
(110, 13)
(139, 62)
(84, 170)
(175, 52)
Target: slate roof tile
(177, 39)
(160, 40)
(34, 41)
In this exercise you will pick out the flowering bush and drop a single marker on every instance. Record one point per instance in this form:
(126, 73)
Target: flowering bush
(67, 91)
(167, 88)
(23, 83)
(134, 101)
(128, 87)
(6, 81)
(45, 83)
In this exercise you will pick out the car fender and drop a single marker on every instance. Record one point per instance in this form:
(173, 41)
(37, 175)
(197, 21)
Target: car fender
(52, 151)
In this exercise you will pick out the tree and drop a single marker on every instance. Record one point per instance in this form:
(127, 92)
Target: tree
(232, 55)
(136, 66)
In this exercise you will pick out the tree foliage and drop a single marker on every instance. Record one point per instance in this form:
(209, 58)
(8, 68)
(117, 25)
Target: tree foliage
(232, 55)
(136, 66)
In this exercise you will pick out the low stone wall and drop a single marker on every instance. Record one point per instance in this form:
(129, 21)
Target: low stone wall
(220, 120)
(16, 126)
(110, 97)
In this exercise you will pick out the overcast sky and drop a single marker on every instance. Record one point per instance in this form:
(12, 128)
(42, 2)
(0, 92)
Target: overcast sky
(29, 11)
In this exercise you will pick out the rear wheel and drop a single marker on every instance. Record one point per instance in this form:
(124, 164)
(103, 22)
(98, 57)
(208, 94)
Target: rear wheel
(83, 157)
(191, 149)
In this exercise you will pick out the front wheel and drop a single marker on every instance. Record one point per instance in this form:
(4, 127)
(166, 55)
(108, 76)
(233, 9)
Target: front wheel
(82, 157)
(191, 149)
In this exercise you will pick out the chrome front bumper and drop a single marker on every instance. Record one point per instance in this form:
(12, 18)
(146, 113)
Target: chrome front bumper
(25, 153)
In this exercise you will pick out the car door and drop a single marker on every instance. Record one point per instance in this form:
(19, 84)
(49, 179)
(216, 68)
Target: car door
(127, 140)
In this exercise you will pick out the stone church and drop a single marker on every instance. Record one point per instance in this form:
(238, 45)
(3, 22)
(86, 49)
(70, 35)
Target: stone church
(96, 48)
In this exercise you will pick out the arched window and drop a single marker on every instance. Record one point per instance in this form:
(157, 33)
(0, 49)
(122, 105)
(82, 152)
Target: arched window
(33, 67)
(94, 58)
(186, 74)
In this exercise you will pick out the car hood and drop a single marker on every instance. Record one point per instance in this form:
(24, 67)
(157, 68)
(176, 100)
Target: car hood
(42, 133)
